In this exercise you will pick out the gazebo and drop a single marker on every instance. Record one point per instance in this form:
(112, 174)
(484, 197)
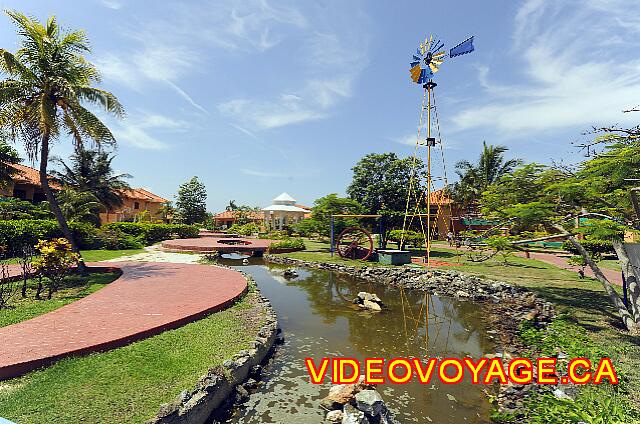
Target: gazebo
(283, 212)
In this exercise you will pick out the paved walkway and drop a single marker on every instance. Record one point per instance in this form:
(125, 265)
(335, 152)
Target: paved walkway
(208, 244)
(149, 297)
(615, 277)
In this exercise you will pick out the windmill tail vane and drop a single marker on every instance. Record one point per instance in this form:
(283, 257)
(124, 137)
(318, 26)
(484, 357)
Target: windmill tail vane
(430, 55)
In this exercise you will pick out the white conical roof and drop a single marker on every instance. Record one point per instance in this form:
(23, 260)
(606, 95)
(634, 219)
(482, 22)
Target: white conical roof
(284, 197)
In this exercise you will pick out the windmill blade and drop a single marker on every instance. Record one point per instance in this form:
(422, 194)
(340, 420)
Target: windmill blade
(463, 48)
(418, 58)
(424, 76)
(438, 62)
(428, 43)
(415, 73)
(412, 64)
(433, 67)
(438, 55)
(437, 46)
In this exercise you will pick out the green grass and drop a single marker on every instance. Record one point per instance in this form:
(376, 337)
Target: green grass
(127, 385)
(74, 287)
(105, 255)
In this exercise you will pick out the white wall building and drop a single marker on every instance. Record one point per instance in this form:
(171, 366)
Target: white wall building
(283, 212)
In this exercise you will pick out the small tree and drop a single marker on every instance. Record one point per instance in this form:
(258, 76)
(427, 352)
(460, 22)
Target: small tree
(8, 287)
(503, 246)
(55, 260)
(191, 202)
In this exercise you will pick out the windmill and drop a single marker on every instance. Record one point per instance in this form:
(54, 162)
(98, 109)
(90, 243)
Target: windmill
(429, 56)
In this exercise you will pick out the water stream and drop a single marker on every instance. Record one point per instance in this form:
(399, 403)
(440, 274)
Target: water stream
(318, 319)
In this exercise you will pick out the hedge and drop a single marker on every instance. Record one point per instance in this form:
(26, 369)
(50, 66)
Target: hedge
(153, 233)
(15, 234)
(591, 246)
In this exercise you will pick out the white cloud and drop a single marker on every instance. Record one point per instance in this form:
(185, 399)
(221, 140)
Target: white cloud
(333, 61)
(574, 76)
(140, 129)
(112, 4)
(255, 173)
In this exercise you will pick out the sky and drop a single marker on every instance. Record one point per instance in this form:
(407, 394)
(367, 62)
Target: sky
(258, 97)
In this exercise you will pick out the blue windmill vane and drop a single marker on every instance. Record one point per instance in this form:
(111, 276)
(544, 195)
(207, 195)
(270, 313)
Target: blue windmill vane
(430, 55)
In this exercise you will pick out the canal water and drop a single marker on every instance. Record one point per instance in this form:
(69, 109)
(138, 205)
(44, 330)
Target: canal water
(318, 319)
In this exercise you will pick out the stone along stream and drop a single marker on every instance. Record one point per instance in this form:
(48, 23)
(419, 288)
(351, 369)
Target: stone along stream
(318, 320)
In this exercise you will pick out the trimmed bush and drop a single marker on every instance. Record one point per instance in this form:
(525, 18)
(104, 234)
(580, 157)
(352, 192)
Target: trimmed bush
(17, 233)
(591, 246)
(244, 230)
(291, 243)
(152, 233)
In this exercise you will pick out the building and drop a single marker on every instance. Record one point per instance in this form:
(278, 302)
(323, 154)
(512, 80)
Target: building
(451, 216)
(135, 201)
(26, 186)
(227, 218)
(284, 212)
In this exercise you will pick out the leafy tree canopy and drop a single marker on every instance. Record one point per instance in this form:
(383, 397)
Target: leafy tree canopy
(191, 202)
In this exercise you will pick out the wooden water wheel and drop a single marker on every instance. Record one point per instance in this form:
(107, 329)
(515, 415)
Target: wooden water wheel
(355, 243)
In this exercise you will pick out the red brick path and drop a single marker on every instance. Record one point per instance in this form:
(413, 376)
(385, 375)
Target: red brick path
(147, 299)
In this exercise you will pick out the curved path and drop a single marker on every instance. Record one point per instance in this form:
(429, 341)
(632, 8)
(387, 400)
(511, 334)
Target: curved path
(146, 299)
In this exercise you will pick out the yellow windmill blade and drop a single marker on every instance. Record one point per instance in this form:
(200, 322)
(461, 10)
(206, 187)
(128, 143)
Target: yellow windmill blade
(437, 61)
(433, 67)
(415, 73)
(439, 55)
(428, 43)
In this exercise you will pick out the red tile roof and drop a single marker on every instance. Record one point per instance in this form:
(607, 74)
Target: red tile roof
(142, 194)
(29, 175)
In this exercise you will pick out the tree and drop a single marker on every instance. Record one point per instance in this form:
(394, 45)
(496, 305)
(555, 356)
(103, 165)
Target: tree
(323, 208)
(43, 98)
(167, 212)
(79, 206)
(91, 172)
(381, 185)
(191, 203)
(8, 157)
(231, 206)
(475, 178)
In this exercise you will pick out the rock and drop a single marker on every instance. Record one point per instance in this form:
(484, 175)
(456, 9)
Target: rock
(367, 304)
(370, 402)
(352, 415)
(241, 394)
(340, 394)
(334, 416)
(560, 394)
(290, 273)
(462, 293)
(369, 296)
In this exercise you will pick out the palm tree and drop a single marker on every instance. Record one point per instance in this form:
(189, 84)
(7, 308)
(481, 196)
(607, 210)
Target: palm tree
(42, 99)
(91, 172)
(475, 178)
(79, 206)
(231, 206)
(8, 157)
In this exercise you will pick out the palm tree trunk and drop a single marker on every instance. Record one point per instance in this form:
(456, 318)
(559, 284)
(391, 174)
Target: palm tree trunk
(631, 276)
(53, 203)
(623, 312)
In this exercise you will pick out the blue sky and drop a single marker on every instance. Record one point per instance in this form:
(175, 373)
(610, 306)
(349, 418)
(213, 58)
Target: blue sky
(260, 97)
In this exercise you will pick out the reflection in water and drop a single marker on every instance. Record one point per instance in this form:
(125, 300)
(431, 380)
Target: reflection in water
(318, 319)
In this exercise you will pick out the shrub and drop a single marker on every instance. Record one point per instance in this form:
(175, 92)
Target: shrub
(244, 230)
(594, 246)
(54, 262)
(290, 243)
(412, 238)
(26, 232)
(114, 239)
(148, 233)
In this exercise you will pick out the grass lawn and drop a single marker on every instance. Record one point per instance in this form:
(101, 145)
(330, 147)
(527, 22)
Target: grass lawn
(73, 288)
(128, 385)
(105, 255)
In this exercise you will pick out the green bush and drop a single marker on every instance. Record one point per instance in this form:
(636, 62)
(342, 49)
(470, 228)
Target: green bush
(290, 243)
(412, 238)
(114, 239)
(244, 230)
(148, 233)
(15, 234)
(594, 246)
